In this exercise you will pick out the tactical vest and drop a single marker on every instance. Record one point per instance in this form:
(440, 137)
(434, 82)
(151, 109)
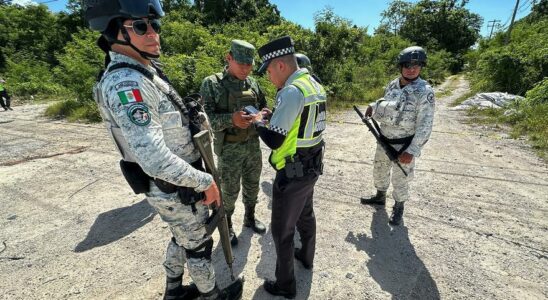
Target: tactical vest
(234, 99)
(307, 129)
(191, 119)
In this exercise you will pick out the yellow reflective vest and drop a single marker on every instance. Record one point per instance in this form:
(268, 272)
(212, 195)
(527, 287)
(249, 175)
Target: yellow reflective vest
(307, 129)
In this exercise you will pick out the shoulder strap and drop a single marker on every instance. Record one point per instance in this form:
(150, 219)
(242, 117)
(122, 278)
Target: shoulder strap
(167, 89)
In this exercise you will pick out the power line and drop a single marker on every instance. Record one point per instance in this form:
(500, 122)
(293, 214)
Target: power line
(492, 24)
(525, 8)
(524, 3)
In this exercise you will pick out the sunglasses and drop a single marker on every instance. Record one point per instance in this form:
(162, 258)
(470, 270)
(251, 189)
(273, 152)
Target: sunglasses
(411, 65)
(140, 27)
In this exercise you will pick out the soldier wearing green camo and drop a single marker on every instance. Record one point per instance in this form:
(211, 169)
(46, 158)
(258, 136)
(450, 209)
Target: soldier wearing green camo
(236, 142)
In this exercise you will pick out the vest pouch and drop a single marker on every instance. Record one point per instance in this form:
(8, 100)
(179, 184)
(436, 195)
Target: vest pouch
(137, 179)
(237, 100)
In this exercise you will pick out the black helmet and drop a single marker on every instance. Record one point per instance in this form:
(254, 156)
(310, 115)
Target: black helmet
(99, 13)
(412, 54)
(303, 60)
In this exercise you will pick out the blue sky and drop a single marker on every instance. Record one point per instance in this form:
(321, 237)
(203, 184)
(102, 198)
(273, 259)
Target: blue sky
(367, 12)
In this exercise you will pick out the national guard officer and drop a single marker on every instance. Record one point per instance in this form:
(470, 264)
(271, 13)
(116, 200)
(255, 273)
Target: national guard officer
(150, 128)
(304, 62)
(405, 115)
(236, 143)
(295, 137)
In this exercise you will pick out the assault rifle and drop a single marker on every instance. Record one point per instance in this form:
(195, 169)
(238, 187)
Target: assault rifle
(202, 140)
(388, 149)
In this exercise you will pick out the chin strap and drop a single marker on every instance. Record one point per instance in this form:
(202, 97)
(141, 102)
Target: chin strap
(127, 42)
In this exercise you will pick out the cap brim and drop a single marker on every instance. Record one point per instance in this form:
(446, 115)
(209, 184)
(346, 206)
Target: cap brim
(262, 68)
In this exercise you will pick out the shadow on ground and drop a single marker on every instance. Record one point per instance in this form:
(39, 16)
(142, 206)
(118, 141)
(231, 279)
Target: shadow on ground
(393, 263)
(113, 225)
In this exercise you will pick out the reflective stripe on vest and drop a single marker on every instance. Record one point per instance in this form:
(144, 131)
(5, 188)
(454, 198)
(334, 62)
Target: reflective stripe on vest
(307, 129)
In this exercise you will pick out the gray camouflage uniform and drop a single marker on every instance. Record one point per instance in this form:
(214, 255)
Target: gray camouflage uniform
(147, 129)
(401, 113)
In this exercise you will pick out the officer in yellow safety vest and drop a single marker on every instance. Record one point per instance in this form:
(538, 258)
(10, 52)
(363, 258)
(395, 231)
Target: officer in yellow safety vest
(294, 134)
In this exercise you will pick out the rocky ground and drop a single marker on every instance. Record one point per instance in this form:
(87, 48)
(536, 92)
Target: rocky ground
(476, 228)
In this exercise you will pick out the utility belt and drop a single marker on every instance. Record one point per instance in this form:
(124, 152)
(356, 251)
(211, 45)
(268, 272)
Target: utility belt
(405, 141)
(240, 135)
(303, 164)
(139, 181)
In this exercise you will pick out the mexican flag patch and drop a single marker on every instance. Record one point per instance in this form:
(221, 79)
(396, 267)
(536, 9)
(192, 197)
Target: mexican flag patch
(130, 96)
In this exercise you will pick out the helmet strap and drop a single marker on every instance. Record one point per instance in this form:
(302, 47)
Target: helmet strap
(127, 42)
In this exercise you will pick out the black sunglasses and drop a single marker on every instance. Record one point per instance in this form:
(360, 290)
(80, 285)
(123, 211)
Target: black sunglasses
(409, 65)
(140, 27)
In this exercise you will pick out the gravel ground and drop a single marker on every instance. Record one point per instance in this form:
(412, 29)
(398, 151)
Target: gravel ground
(476, 227)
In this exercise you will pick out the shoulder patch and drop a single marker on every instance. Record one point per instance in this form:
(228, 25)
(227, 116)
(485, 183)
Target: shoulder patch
(126, 84)
(138, 114)
(130, 96)
(430, 97)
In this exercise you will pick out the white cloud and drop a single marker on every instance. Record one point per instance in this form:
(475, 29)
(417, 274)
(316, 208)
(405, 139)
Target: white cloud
(24, 2)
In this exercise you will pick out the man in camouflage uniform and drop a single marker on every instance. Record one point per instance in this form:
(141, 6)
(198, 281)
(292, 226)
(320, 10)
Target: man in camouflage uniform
(236, 142)
(405, 115)
(153, 135)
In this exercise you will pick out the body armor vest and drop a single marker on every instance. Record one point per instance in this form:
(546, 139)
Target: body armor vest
(234, 99)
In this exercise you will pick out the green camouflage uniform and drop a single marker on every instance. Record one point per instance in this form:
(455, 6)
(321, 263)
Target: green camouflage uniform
(238, 151)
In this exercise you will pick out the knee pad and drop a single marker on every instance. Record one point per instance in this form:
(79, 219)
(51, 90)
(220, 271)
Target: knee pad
(202, 251)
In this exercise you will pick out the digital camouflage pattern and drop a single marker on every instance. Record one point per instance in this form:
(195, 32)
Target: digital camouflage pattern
(153, 137)
(402, 112)
(240, 160)
(242, 51)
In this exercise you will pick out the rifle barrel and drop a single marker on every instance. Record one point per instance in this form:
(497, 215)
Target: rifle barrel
(390, 152)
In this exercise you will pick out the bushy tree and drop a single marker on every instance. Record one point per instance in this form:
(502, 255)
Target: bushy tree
(31, 30)
(79, 64)
(28, 76)
(516, 67)
(436, 25)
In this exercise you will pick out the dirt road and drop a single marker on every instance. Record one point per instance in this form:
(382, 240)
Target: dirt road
(476, 227)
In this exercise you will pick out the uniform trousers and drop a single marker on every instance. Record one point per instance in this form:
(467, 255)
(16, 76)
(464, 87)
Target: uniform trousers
(240, 162)
(292, 205)
(382, 169)
(4, 97)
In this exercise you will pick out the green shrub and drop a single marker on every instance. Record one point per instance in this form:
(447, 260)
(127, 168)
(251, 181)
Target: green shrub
(28, 76)
(79, 65)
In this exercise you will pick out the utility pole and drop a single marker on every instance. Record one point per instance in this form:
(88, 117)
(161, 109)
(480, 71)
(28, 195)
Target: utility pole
(507, 40)
(492, 26)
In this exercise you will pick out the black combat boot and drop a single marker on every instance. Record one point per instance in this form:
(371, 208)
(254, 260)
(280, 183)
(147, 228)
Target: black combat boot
(379, 199)
(397, 214)
(176, 291)
(232, 292)
(250, 221)
(233, 237)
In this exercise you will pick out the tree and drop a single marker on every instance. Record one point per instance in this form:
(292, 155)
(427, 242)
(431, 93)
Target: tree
(30, 30)
(394, 16)
(442, 25)
(435, 25)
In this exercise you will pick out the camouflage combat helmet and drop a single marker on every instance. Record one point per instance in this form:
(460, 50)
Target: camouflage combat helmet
(412, 54)
(107, 16)
(303, 60)
(99, 13)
